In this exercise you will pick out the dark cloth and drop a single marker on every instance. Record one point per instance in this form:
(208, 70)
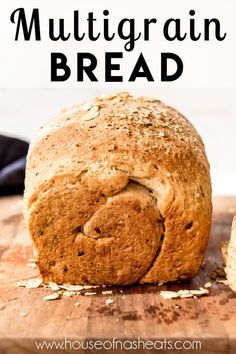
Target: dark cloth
(12, 165)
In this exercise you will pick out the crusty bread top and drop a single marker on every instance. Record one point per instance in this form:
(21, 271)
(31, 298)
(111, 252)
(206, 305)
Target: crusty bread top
(138, 134)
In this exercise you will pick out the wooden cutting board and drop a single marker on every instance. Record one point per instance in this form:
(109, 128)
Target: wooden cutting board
(137, 311)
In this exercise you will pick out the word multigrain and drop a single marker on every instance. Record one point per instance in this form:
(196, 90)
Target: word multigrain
(105, 29)
(108, 29)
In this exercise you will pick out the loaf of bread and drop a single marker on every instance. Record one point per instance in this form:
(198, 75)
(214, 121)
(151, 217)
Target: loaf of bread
(231, 258)
(118, 191)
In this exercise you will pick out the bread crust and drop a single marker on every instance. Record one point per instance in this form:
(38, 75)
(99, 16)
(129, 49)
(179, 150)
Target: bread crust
(96, 163)
(231, 258)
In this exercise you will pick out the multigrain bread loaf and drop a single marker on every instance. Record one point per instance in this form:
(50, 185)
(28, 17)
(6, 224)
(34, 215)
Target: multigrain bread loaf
(231, 258)
(118, 191)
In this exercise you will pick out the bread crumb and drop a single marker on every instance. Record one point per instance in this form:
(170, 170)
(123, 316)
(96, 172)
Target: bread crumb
(218, 272)
(53, 286)
(208, 285)
(90, 286)
(21, 283)
(109, 301)
(200, 292)
(70, 287)
(70, 293)
(33, 283)
(221, 271)
(183, 293)
(32, 265)
(30, 284)
(23, 314)
(108, 292)
(50, 297)
(213, 275)
(169, 294)
(77, 303)
(222, 281)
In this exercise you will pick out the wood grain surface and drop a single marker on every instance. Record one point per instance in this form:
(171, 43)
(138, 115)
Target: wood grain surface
(138, 312)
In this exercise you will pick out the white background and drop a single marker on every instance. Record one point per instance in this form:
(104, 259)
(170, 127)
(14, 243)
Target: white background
(206, 92)
(206, 63)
